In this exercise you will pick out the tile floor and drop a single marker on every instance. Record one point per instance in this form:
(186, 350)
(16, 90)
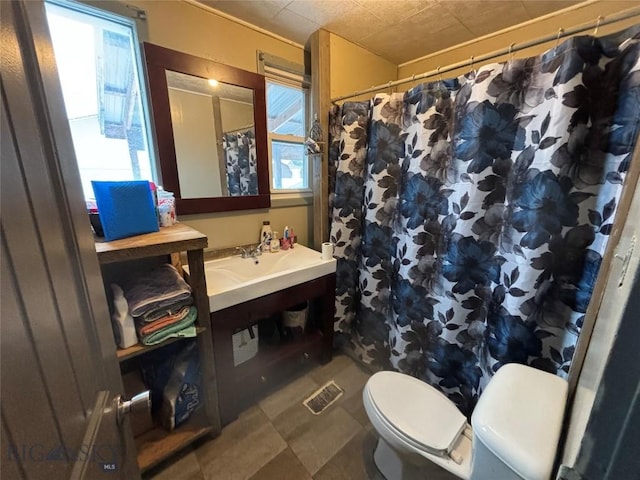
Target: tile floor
(279, 439)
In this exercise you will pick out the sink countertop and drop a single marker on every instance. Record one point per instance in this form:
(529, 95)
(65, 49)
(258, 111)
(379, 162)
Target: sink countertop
(234, 280)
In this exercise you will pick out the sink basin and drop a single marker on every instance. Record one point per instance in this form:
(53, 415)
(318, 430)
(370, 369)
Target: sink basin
(233, 280)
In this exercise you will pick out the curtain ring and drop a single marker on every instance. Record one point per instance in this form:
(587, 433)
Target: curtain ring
(439, 74)
(560, 32)
(598, 20)
(510, 56)
(389, 87)
(595, 32)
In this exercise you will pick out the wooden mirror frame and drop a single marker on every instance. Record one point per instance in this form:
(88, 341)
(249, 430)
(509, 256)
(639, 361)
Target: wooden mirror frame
(158, 59)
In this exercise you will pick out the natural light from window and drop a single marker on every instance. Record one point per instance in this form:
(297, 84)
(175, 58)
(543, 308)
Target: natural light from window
(286, 129)
(101, 88)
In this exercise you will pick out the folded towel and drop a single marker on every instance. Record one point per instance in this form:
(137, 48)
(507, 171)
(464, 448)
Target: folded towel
(159, 337)
(147, 328)
(182, 328)
(156, 289)
(157, 314)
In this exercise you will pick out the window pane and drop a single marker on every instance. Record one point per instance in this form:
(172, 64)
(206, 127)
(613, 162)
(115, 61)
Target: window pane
(101, 89)
(289, 165)
(285, 109)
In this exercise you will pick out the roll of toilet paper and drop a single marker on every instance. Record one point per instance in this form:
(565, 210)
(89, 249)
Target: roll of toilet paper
(327, 251)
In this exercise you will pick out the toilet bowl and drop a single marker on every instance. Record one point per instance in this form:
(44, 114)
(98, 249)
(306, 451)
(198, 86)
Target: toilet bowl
(516, 426)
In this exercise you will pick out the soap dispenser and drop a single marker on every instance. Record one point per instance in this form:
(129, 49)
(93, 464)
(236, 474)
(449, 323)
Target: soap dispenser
(275, 243)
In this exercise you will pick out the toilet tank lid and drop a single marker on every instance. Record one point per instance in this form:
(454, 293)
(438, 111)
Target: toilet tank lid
(519, 417)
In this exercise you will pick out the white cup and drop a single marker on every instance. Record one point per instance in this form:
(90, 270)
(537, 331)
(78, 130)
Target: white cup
(327, 251)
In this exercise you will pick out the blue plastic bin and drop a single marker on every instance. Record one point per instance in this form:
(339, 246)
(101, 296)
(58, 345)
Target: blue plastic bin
(126, 208)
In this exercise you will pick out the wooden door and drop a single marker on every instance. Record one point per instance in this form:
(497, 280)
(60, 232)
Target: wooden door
(59, 373)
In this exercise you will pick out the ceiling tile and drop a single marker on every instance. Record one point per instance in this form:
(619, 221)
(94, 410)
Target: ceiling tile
(483, 17)
(398, 30)
(537, 8)
(252, 12)
(418, 36)
(360, 23)
(394, 11)
(323, 11)
(291, 25)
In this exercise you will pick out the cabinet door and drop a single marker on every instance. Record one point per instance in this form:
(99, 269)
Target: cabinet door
(59, 372)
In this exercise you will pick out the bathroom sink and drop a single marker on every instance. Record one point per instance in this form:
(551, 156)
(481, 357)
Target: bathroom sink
(233, 280)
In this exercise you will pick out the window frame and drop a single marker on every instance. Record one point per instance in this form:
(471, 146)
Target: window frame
(134, 18)
(288, 74)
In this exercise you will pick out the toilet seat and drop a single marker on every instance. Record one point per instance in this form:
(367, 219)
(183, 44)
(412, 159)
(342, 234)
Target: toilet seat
(401, 402)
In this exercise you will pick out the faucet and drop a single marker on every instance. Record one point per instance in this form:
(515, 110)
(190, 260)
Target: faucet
(250, 252)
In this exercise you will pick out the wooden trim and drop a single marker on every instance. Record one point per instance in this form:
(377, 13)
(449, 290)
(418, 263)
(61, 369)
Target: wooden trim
(158, 59)
(621, 218)
(223, 204)
(320, 101)
(222, 160)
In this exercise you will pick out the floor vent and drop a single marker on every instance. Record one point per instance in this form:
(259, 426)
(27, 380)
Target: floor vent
(323, 397)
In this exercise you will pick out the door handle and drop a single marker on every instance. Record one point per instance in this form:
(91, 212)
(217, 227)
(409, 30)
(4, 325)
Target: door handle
(139, 403)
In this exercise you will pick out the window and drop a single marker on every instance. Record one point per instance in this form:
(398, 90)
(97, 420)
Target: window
(99, 68)
(287, 95)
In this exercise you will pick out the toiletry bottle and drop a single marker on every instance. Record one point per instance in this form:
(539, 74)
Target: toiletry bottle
(154, 194)
(265, 236)
(275, 243)
(166, 207)
(122, 320)
(292, 237)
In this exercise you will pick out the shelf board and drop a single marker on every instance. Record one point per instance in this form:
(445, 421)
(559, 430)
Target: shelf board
(158, 444)
(270, 354)
(138, 349)
(177, 238)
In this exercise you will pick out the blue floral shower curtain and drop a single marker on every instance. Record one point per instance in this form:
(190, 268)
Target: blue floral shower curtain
(240, 159)
(470, 215)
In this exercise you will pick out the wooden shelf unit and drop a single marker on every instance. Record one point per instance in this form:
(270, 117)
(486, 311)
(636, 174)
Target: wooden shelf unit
(177, 238)
(157, 444)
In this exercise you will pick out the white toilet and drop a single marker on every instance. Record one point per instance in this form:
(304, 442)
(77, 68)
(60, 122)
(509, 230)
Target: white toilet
(516, 426)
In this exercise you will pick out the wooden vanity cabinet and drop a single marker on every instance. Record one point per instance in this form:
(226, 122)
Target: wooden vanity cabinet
(154, 443)
(240, 386)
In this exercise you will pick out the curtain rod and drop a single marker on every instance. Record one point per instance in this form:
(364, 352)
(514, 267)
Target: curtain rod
(600, 22)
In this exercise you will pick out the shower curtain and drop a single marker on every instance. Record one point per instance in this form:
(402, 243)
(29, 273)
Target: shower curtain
(470, 215)
(240, 158)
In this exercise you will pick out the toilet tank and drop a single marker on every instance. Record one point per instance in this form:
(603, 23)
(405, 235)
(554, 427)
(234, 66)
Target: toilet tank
(516, 424)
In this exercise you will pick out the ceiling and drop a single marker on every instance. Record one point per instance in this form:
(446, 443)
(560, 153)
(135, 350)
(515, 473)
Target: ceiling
(398, 30)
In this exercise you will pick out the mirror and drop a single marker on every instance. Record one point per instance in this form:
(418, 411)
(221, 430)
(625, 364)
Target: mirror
(210, 124)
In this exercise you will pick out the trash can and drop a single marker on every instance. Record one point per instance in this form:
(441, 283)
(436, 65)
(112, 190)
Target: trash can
(295, 317)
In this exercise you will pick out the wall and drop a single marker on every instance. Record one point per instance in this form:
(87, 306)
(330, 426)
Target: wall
(187, 28)
(236, 115)
(198, 162)
(353, 68)
(541, 27)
